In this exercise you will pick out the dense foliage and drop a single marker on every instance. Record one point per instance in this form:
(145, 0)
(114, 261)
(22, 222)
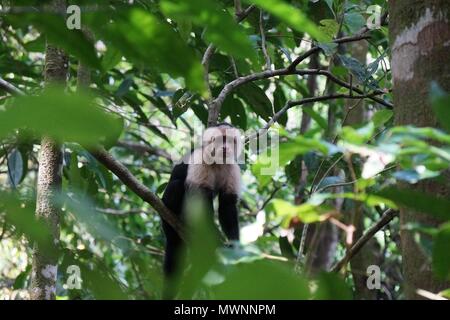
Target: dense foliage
(342, 162)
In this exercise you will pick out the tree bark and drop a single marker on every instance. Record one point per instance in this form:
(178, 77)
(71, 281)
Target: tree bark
(420, 42)
(44, 267)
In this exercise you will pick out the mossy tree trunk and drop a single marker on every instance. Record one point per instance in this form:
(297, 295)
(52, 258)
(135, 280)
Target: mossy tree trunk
(44, 268)
(420, 43)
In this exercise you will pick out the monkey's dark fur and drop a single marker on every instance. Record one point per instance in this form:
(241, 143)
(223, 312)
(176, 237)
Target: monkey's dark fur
(208, 179)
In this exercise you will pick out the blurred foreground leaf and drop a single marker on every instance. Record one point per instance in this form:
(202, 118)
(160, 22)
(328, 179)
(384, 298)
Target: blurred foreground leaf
(65, 117)
(418, 201)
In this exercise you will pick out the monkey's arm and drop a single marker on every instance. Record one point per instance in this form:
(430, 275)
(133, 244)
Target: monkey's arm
(228, 215)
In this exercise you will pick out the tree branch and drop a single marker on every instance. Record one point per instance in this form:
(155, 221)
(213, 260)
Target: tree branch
(216, 104)
(129, 180)
(263, 40)
(138, 188)
(304, 101)
(240, 16)
(360, 35)
(387, 217)
(144, 148)
(8, 87)
(116, 212)
(344, 84)
(317, 49)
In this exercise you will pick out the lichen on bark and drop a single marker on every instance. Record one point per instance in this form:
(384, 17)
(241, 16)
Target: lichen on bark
(45, 261)
(419, 32)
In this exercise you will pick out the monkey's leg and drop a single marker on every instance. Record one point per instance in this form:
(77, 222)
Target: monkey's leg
(173, 261)
(173, 198)
(228, 215)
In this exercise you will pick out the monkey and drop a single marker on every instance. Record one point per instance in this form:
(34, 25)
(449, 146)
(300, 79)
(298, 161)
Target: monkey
(210, 171)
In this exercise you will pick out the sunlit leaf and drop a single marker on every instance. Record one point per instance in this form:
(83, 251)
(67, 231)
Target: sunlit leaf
(147, 40)
(292, 16)
(208, 14)
(306, 213)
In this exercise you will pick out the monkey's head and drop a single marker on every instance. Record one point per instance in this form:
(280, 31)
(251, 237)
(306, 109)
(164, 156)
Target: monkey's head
(221, 144)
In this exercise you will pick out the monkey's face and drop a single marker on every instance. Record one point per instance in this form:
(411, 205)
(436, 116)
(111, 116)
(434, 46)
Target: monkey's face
(221, 145)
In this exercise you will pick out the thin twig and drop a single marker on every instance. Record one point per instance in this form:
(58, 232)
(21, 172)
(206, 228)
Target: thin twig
(240, 16)
(144, 148)
(216, 104)
(138, 188)
(290, 104)
(8, 87)
(263, 40)
(342, 184)
(116, 212)
(387, 217)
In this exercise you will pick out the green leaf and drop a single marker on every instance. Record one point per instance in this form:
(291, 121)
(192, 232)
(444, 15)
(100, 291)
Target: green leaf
(293, 17)
(74, 174)
(202, 245)
(445, 293)
(354, 21)
(381, 117)
(208, 14)
(441, 105)
(279, 100)
(418, 201)
(329, 181)
(21, 279)
(307, 213)
(159, 103)
(357, 136)
(201, 112)
(111, 58)
(147, 40)
(329, 48)
(441, 258)
(124, 87)
(257, 100)
(329, 27)
(331, 286)
(54, 27)
(65, 117)
(360, 71)
(321, 121)
(269, 162)
(15, 167)
(243, 281)
(20, 213)
(36, 45)
(234, 109)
